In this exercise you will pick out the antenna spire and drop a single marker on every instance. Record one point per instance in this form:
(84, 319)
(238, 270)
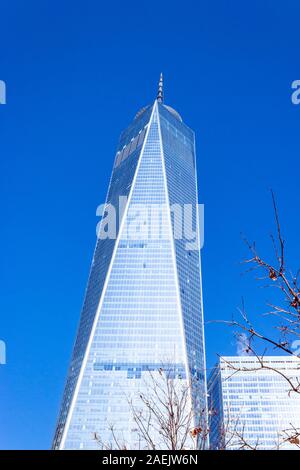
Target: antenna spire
(160, 96)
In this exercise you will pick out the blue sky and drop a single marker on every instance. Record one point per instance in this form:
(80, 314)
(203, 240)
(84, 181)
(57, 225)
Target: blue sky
(76, 73)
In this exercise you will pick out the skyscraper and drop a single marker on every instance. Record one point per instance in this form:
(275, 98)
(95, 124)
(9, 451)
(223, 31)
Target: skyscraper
(254, 407)
(143, 302)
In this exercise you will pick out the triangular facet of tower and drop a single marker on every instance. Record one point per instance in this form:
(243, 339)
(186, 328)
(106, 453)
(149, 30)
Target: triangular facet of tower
(138, 323)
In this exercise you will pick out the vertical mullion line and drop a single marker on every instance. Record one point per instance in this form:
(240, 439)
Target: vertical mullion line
(201, 292)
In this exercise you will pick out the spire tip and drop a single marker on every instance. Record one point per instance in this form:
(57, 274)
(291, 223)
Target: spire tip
(160, 96)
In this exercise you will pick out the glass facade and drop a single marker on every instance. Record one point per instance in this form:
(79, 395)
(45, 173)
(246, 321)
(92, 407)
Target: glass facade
(253, 407)
(143, 304)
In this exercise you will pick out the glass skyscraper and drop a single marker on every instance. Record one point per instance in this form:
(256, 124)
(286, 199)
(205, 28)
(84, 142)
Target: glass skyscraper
(143, 302)
(254, 408)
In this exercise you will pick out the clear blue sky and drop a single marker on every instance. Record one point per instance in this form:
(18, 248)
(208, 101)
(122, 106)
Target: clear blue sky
(76, 74)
